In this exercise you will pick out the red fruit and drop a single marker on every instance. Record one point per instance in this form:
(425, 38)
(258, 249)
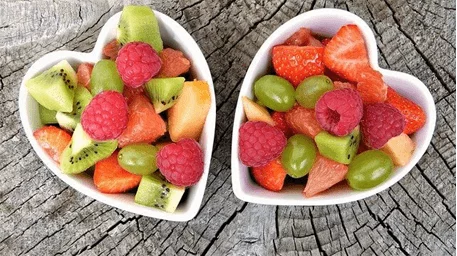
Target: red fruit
(346, 54)
(106, 116)
(137, 63)
(83, 74)
(414, 115)
(111, 49)
(324, 174)
(339, 111)
(296, 63)
(314, 42)
(173, 63)
(130, 93)
(270, 176)
(380, 122)
(53, 140)
(182, 162)
(303, 120)
(109, 177)
(280, 122)
(341, 85)
(325, 41)
(299, 38)
(362, 148)
(334, 77)
(259, 143)
(371, 87)
(144, 124)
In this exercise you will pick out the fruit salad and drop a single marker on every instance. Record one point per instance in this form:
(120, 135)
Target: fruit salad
(324, 116)
(132, 120)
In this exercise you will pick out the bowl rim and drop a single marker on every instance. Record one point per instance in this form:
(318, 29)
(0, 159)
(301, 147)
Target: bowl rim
(118, 202)
(237, 167)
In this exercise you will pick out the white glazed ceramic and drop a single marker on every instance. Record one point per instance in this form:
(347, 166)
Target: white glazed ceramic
(174, 36)
(325, 22)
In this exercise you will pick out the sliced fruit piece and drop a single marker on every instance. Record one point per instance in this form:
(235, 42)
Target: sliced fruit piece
(340, 149)
(83, 74)
(314, 42)
(47, 116)
(255, 112)
(174, 63)
(144, 124)
(303, 120)
(299, 38)
(53, 140)
(369, 169)
(138, 158)
(111, 49)
(164, 92)
(414, 115)
(274, 92)
(155, 191)
(129, 92)
(187, 117)
(105, 77)
(325, 41)
(68, 121)
(311, 89)
(279, 119)
(139, 24)
(371, 87)
(298, 156)
(80, 140)
(400, 149)
(109, 177)
(54, 89)
(270, 176)
(324, 174)
(341, 85)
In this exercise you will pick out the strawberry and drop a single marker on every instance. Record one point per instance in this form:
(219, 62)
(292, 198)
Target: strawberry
(371, 87)
(270, 176)
(53, 140)
(303, 120)
(109, 177)
(341, 85)
(296, 63)
(414, 115)
(324, 174)
(325, 41)
(111, 49)
(280, 122)
(314, 42)
(83, 74)
(346, 54)
(299, 38)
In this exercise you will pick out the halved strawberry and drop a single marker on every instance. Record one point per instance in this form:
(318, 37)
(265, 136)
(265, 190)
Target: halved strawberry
(414, 115)
(111, 49)
(83, 74)
(53, 140)
(324, 174)
(303, 120)
(296, 63)
(270, 176)
(325, 41)
(280, 122)
(109, 177)
(371, 87)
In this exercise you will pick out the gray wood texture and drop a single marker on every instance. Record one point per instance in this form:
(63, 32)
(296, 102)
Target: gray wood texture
(41, 215)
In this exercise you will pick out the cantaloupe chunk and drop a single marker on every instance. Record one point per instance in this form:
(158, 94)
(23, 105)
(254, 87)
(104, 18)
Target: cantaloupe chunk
(187, 117)
(400, 149)
(255, 112)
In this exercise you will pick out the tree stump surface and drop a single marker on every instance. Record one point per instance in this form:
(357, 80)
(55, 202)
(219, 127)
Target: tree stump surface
(41, 215)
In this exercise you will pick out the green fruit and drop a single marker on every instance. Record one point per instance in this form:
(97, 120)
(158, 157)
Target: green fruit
(139, 24)
(311, 89)
(105, 77)
(54, 89)
(47, 116)
(156, 192)
(164, 92)
(339, 149)
(69, 121)
(369, 169)
(83, 152)
(138, 158)
(275, 92)
(298, 156)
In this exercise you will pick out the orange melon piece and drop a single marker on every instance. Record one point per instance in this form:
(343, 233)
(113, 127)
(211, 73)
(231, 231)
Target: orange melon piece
(400, 149)
(187, 117)
(255, 112)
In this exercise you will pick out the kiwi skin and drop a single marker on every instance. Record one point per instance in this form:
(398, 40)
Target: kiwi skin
(164, 92)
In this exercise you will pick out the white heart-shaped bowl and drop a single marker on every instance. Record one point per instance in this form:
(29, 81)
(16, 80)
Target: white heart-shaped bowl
(173, 36)
(325, 22)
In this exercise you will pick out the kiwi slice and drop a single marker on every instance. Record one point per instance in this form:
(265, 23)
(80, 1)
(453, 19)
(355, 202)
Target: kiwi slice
(105, 77)
(139, 23)
(47, 116)
(164, 92)
(82, 98)
(54, 89)
(340, 149)
(155, 191)
(83, 152)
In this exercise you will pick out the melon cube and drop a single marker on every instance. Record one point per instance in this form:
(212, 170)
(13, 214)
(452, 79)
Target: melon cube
(400, 149)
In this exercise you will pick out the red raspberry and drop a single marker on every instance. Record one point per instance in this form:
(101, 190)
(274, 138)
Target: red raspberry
(281, 124)
(106, 116)
(260, 143)
(380, 122)
(182, 162)
(137, 63)
(339, 111)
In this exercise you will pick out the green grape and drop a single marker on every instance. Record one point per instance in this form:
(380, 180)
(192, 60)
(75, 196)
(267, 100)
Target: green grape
(311, 89)
(369, 169)
(298, 156)
(138, 158)
(275, 93)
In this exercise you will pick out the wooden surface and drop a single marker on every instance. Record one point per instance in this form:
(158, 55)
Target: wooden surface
(40, 215)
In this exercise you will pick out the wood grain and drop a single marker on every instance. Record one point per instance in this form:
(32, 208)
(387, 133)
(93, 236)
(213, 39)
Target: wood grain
(40, 215)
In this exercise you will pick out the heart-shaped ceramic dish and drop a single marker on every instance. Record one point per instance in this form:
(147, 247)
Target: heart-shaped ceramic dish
(325, 22)
(173, 35)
